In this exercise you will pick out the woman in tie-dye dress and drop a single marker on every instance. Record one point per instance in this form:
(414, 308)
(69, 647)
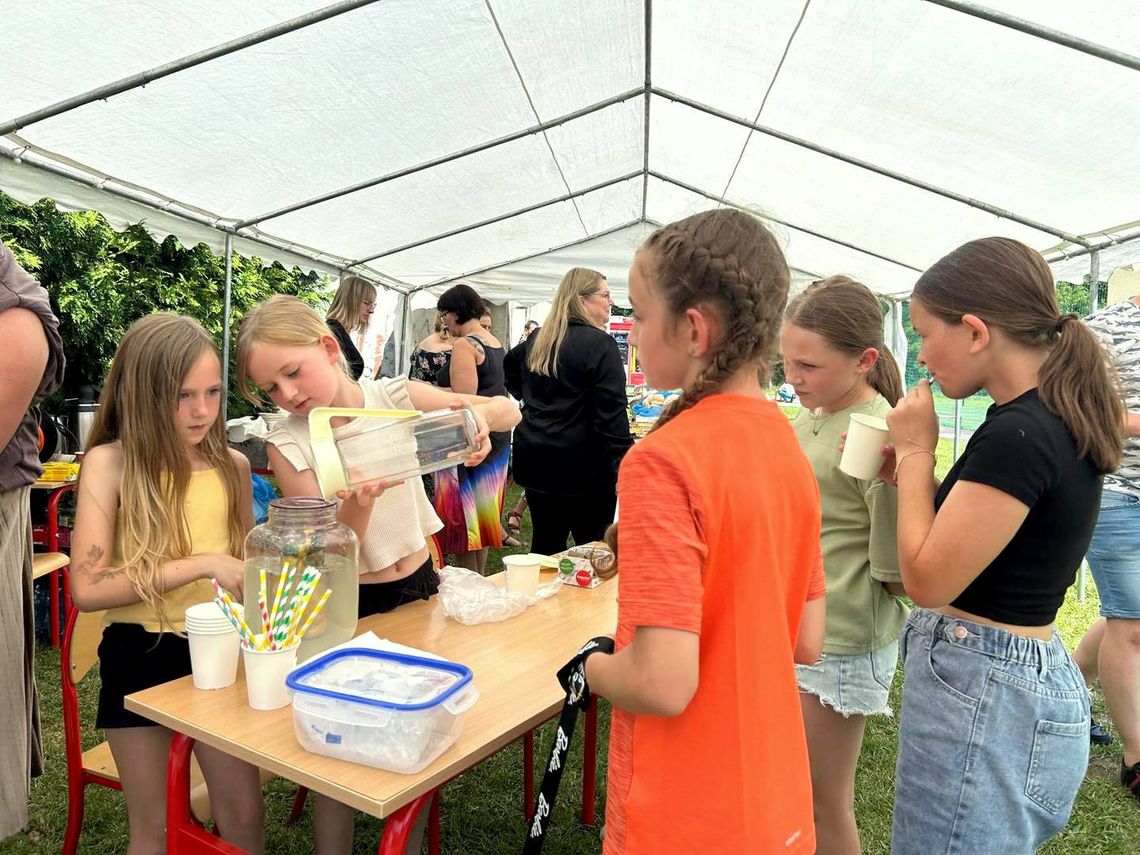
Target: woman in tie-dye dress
(470, 500)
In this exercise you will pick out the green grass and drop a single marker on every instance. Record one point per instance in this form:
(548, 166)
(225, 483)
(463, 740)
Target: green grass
(482, 810)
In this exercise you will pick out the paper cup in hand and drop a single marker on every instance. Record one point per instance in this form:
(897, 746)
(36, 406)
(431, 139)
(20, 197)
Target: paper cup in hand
(265, 673)
(863, 448)
(522, 574)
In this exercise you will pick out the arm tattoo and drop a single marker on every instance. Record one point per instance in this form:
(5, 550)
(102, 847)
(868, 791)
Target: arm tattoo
(88, 564)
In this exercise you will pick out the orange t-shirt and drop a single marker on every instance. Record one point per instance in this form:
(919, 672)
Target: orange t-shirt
(719, 535)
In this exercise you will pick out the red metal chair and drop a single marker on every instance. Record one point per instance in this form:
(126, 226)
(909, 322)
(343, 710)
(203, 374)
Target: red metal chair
(47, 535)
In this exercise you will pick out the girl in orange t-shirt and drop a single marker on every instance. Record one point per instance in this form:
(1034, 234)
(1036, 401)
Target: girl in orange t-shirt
(721, 580)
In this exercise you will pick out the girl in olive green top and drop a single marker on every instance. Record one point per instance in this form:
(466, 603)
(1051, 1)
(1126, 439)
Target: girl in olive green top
(832, 343)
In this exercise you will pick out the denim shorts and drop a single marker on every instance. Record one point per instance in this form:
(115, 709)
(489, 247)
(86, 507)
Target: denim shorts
(855, 684)
(1114, 555)
(993, 739)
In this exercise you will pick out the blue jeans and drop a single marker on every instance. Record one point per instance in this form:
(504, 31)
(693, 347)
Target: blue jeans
(1114, 555)
(993, 739)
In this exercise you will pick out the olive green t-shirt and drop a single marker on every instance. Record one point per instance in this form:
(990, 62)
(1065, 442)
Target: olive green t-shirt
(860, 550)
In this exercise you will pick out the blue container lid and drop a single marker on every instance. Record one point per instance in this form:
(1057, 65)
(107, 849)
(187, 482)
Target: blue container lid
(299, 677)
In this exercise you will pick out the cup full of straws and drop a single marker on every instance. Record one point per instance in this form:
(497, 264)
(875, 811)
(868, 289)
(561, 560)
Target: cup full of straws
(271, 654)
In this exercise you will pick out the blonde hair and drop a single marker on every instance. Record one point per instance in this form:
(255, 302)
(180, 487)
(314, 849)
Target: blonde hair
(283, 321)
(347, 305)
(577, 283)
(140, 397)
(1010, 287)
(727, 261)
(848, 317)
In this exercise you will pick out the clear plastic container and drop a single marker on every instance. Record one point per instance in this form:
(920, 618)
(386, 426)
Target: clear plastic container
(388, 710)
(301, 533)
(391, 445)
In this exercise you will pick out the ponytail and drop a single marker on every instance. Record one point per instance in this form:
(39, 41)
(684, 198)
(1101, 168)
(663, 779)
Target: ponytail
(1078, 383)
(885, 377)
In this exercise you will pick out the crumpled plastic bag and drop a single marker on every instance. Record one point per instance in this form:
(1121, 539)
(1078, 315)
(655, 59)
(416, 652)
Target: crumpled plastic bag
(470, 598)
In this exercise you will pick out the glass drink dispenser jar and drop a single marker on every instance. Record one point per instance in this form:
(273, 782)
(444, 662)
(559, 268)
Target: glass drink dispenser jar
(303, 553)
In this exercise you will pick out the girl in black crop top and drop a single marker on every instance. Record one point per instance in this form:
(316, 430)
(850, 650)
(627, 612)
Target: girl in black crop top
(994, 731)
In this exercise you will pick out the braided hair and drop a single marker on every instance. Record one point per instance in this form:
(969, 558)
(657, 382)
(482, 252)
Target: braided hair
(725, 260)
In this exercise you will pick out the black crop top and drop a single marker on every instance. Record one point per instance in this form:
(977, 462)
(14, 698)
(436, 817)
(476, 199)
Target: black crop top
(1026, 451)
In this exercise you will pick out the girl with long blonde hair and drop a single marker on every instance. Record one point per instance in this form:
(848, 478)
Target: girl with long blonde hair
(575, 430)
(163, 506)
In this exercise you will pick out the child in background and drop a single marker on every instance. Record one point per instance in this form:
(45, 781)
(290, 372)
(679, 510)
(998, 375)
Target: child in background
(721, 582)
(285, 352)
(163, 506)
(994, 735)
(834, 356)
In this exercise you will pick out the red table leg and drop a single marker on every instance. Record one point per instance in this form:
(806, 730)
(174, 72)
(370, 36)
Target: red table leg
(590, 764)
(528, 773)
(398, 827)
(184, 834)
(433, 824)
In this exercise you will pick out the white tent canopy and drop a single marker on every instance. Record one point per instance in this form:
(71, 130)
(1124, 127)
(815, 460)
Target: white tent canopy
(418, 142)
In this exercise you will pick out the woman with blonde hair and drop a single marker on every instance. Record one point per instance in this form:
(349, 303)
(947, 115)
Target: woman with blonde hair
(353, 305)
(575, 430)
(164, 506)
(431, 354)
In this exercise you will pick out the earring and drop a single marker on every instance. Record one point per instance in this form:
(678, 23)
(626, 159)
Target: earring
(692, 352)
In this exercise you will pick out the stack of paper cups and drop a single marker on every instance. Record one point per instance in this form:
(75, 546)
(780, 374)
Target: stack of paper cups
(214, 646)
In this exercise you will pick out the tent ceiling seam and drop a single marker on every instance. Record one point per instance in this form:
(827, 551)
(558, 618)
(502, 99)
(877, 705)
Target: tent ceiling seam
(1040, 31)
(39, 160)
(449, 279)
(648, 12)
(767, 92)
(534, 110)
(497, 219)
(445, 158)
(871, 167)
(142, 78)
(766, 216)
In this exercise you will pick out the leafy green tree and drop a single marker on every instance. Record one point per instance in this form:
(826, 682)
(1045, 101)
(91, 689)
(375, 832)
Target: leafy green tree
(101, 281)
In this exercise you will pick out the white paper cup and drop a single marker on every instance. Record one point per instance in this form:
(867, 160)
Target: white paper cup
(522, 574)
(213, 657)
(863, 449)
(265, 673)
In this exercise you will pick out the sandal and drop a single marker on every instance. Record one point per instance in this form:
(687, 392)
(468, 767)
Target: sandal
(514, 523)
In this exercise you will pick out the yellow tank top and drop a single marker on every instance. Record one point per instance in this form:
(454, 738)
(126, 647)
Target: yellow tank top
(207, 519)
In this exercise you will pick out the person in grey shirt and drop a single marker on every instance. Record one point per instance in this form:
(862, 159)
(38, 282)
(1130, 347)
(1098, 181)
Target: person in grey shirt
(31, 368)
(1110, 649)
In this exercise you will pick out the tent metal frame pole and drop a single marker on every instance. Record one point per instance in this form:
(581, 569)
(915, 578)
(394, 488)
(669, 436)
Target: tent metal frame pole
(528, 256)
(1094, 276)
(1041, 32)
(134, 81)
(1063, 255)
(566, 197)
(226, 322)
(648, 93)
(36, 161)
(442, 159)
(871, 167)
(721, 200)
(405, 331)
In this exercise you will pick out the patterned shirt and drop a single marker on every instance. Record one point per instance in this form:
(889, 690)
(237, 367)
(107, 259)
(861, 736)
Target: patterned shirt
(1118, 326)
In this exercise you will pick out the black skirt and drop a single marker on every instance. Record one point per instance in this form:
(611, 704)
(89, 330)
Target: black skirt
(385, 596)
(132, 659)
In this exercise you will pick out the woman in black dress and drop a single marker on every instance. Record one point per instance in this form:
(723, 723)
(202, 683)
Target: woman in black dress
(353, 305)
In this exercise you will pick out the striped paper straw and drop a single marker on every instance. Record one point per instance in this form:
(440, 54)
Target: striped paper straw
(304, 597)
(313, 614)
(279, 596)
(232, 613)
(262, 599)
(308, 580)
